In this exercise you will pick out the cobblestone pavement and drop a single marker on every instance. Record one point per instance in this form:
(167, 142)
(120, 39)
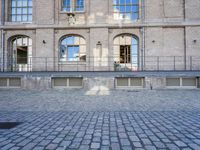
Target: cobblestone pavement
(99, 100)
(101, 130)
(113, 120)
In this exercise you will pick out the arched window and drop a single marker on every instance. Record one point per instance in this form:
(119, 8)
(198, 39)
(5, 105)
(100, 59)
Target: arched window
(21, 53)
(126, 9)
(21, 10)
(126, 50)
(73, 48)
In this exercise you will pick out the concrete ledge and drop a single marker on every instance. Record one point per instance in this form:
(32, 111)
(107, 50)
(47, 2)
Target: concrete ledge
(98, 80)
(105, 74)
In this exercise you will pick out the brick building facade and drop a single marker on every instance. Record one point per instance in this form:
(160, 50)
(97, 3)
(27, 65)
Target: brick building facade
(100, 35)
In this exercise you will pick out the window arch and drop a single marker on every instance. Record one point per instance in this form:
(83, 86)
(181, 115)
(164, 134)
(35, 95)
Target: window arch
(21, 10)
(126, 50)
(21, 53)
(126, 9)
(72, 48)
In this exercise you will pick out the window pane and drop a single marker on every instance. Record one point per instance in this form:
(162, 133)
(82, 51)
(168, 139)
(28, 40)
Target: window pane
(24, 3)
(134, 16)
(128, 2)
(70, 40)
(29, 10)
(66, 5)
(18, 17)
(24, 18)
(79, 5)
(70, 53)
(24, 11)
(29, 17)
(134, 1)
(13, 3)
(125, 9)
(13, 11)
(63, 52)
(19, 11)
(19, 3)
(128, 8)
(72, 45)
(30, 3)
(122, 2)
(13, 18)
(22, 8)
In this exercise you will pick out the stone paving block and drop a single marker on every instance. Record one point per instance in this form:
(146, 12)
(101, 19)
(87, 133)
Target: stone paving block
(77, 129)
(134, 138)
(137, 144)
(7, 147)
(105, 142)
(95, 145)
(44, 142)
(57, 140)
(38, 148)
(84, 147)
(65, 143)
(15, 148)
(194, 146)
(51, 146)
(115, 146)
(180, 143)
(29, 146)
(24, 142)
(149, 147)
(125, 142)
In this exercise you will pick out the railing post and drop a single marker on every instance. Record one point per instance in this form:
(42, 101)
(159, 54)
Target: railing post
(191, 63)
(174, 63)
(46, 63)
(158, 59)
(77, 66)
(0, 65)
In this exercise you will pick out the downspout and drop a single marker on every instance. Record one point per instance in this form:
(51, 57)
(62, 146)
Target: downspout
(185, 46)
(2, 34)
(143, 36)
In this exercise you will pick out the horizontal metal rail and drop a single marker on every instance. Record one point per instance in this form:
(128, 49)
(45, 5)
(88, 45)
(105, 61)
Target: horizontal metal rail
(114, 63)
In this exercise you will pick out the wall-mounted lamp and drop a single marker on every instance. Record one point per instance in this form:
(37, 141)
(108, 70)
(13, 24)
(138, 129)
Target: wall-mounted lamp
(44, 42)
(153, 41)
(195, 41)
(99, 49)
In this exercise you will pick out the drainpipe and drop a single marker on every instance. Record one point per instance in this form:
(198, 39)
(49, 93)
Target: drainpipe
(2, 33)
(143, 36)
(185, 40)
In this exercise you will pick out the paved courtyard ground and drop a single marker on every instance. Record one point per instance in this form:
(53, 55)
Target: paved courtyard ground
(112, 120)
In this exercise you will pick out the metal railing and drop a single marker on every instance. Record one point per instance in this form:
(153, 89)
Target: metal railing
(148, 63)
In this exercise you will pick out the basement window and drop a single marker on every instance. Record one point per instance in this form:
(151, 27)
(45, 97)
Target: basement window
(184, 82)
(10, 82)
(136, 82)
(68, 82)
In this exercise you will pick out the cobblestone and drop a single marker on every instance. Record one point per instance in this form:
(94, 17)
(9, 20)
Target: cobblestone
(179, 119)
(150, 126)
(79, 100)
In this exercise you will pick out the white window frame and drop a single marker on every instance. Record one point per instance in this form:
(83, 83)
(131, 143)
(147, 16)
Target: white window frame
(73, 7)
